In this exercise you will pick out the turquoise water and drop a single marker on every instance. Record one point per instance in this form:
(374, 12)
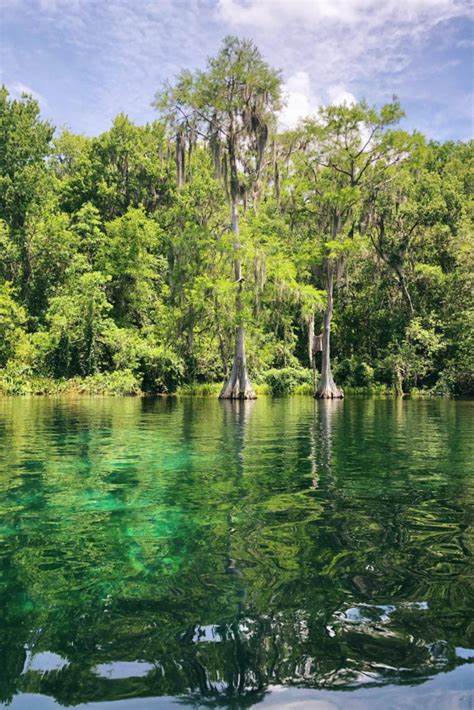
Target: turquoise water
(166, 553)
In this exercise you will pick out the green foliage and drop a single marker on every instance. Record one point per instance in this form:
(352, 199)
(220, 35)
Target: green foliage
(287, 379)
(233, 103)
(201, 390)
(162, 370)
(117, 257)
(20, 381)
(129, 256)
(120, 382)
(86, 223)
(354, 372)
(24, 144)
(78, 326)
(12, 322)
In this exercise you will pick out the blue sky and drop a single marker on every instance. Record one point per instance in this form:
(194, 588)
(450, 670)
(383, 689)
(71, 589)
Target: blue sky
(87, 60)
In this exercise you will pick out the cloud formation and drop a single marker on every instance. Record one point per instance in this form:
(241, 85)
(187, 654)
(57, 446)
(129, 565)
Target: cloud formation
(347, 12)
(92, 59)
(299, 100)
(367, 49)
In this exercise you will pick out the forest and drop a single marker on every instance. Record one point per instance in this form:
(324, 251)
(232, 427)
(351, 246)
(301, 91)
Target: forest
(213, 251)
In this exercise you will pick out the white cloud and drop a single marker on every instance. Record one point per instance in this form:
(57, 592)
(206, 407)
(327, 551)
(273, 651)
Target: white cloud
(349, 48)
(340, 41)
(95, 58)
(338, 96)
(300, 101)
(124, 51)
(349, 12)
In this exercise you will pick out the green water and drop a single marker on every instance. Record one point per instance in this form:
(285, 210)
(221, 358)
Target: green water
(279, 553)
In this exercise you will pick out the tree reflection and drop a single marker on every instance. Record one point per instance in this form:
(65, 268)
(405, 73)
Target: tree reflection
(182, 548)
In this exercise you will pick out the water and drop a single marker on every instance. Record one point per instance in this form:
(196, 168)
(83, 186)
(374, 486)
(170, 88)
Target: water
(192, 553)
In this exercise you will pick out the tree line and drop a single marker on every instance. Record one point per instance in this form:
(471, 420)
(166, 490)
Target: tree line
(213, 246)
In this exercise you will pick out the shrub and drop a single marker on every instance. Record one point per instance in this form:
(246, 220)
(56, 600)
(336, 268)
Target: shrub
(158, 368)
(15, 379)
(286, 379)
(354, 372)
(202, 389)
(162, 370)
(12, 321)
(119, 383)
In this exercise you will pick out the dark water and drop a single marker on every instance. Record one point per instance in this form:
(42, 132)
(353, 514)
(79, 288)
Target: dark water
(190, 553)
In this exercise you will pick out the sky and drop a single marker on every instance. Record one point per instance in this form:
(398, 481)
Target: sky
(88, 60)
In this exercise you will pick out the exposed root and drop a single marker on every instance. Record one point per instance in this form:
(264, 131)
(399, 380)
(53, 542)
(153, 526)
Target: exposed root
(238, 385)
(331, 392)
(234, 390)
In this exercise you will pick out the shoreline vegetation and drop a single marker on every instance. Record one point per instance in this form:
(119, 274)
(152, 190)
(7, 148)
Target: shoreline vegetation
(124, 384)
(214, 252)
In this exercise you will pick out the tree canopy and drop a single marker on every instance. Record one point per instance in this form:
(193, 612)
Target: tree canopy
(140, 255)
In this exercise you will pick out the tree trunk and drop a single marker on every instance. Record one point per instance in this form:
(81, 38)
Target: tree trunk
(180, 158)
(405, 291)
(311, 352)
(238, 385)
(327, 388)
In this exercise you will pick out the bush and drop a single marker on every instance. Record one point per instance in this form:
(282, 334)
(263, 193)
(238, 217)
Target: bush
(307, 389)
(285, 380)
(158, 368)
(200, 389)
(354, 372)
(15, 381)
(12, 321)
(119, 383)
(162, 370)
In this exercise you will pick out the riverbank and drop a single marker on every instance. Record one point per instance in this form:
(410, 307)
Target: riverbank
(123, 383)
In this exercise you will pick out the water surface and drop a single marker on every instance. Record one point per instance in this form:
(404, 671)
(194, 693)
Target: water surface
(192, 553)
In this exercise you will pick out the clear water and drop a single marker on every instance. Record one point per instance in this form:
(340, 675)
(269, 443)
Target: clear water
(281, 553)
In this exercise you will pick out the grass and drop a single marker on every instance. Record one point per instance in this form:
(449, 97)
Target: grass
(199, 389)
(124, 383)
(120, 383)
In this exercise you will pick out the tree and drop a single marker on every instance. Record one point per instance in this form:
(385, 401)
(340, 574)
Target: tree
(398, 214)
(12, 322)
(87, 225)
(347, 154)
(192, 248)
(53, 250)
(24, 144)
(233, 106)
(122, 168)
(130, 256)
(197, 255)
(79, 325)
